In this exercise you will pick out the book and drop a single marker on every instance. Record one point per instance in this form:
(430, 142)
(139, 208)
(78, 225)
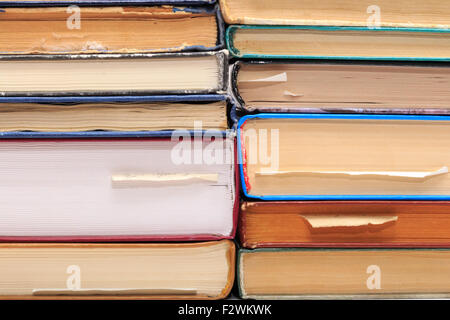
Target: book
(345, 224)
(351, 87)
(117, 271)
(40, 3)
(62, 30)
(357, 43)
(383, 13)
(118, 189)
(112, 113)
(343, 273)
(113, 74)
(344, 157)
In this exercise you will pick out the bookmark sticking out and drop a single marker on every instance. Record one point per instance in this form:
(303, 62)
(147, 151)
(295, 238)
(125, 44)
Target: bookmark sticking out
(135, 180)
(335, 221)
(292, 94)
(113, 292)
(280, 77)
(375, 174)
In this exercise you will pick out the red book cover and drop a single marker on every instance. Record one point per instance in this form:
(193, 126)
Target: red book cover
(118, 190)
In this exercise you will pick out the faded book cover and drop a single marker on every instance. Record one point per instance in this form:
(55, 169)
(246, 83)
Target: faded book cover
(187, 271)
(138, 29)
(295, 273)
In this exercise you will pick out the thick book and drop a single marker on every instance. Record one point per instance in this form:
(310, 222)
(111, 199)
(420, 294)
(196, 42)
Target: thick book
(122, 189)
(385, 13)
(356, 43)
(42, 3)
(343, 273)
(117, 271)
(350, 87)
(22, 116)
(344, 224)
(114, 74)
(62, 30)
(344, 157)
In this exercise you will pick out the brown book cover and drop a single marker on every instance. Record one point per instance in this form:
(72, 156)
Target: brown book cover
(345, 224)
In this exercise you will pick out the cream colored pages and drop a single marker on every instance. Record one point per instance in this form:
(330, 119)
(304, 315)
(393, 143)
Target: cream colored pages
(399, 13)
(194, 73)
(186, 269)
(53, 30)
(344, 272)
(341, 43)
(343, 86)
(347, 157)
(112, 116)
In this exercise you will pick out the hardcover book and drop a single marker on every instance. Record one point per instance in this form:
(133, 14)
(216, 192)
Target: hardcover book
(25, 116)
(61, 30)
(357, 43)
(40, 3)
(345, 224)
(117, 271)
(120, 189)
(383, 13)
(113, 74)
(344, 157)
(343, 273)
(351, 87)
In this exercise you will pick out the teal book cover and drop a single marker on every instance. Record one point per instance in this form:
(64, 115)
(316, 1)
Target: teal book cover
(348, 43)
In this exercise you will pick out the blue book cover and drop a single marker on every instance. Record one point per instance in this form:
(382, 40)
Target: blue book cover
(61, 102)
(344, 157)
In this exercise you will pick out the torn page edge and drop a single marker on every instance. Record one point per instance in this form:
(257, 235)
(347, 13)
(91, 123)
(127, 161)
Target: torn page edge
(399, 174)
(292, 94)
(281, 77)
(147, 179)
(329, 221)
(113, 291)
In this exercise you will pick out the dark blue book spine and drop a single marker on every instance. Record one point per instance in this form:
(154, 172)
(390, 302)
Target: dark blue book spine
(118, 99)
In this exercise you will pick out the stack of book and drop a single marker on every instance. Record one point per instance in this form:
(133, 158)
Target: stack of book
(124, 132)
(113, 126)
(345, 151)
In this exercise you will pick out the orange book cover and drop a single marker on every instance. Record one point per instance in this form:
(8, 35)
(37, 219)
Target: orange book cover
(345, 224)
